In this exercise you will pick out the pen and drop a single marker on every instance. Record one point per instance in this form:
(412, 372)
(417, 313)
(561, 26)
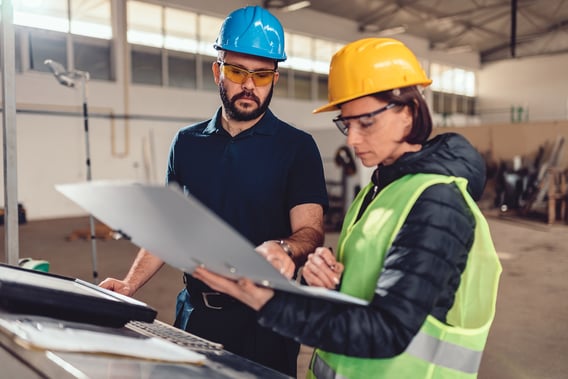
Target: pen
(332, 267)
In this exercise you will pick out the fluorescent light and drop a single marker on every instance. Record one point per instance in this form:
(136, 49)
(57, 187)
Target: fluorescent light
(373, 28)
(295, 6)
(392, 31)
(459, 49)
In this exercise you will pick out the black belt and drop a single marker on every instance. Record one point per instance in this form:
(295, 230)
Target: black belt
(216, 300)
(201, 296)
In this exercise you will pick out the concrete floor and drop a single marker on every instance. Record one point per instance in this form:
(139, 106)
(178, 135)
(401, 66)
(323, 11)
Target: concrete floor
(528, 337)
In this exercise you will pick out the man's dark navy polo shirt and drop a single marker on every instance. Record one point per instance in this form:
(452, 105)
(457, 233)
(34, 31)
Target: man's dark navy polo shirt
(251, 180)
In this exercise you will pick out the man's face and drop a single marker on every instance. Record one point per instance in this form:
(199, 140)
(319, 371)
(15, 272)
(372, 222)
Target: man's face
(250, 98)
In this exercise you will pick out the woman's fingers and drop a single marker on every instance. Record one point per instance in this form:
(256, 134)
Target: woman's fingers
(321, 273)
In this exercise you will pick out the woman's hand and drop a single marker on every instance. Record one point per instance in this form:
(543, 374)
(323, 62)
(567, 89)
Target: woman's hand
(322, 269)
(243, 290)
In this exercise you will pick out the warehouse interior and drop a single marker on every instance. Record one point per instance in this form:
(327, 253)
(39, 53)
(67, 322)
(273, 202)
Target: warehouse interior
(142, 69)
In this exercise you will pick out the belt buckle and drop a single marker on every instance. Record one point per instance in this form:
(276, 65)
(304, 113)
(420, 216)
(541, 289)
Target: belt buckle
(205, 295)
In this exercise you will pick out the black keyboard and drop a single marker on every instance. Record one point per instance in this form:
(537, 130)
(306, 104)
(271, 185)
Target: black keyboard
(175, 335)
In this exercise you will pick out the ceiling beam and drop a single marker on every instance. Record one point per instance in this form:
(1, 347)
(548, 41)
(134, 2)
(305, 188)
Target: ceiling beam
(526, 39)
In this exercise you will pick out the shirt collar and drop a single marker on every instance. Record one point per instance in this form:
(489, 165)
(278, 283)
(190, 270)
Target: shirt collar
(267, 125)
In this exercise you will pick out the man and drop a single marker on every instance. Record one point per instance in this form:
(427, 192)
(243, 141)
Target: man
(261, 175)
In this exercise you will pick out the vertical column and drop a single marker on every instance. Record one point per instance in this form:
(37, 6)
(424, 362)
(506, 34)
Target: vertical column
(11, 242)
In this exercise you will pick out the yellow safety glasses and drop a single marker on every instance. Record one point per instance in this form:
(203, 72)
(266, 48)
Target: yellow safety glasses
(240, 75)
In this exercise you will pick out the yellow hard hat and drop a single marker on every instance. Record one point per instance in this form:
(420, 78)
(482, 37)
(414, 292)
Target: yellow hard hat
(368, 66)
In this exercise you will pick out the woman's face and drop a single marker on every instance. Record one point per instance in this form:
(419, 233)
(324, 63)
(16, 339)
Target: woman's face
(377, 139)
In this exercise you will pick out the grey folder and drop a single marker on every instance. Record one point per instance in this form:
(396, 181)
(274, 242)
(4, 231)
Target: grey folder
(182, 232)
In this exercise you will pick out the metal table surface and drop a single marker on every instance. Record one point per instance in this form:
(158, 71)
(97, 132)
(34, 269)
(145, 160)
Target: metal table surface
(17, 361)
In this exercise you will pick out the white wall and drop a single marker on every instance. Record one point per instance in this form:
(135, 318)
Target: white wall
(539, 84)
(51, 149)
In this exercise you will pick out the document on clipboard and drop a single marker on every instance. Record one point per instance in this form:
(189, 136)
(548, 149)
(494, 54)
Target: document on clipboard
(180, 230)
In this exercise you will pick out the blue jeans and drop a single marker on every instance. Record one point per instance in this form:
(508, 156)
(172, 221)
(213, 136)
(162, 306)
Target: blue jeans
(183, 309)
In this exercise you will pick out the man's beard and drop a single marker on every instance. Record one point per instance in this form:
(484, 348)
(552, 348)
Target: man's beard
(235, 113)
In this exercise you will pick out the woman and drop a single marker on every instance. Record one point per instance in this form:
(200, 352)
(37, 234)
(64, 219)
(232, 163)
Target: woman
(413, 243)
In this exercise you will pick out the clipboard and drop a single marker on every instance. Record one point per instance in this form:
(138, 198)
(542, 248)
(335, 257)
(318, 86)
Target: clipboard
(180, 230)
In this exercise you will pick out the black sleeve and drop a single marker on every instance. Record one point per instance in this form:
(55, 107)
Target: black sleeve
(420, 276)
(306, 181)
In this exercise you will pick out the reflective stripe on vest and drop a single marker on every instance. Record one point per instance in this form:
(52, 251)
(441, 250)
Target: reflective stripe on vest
(444, 353)
(425, 347)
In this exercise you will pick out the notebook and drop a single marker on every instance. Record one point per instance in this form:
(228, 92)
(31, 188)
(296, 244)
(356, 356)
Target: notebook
(184, 233)
(39, 293)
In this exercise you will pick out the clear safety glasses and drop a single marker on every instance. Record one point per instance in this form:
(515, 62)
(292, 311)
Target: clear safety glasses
(240, 75)
(365, 120)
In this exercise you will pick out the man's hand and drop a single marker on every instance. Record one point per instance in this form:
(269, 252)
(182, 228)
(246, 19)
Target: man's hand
(119, 286)
(144, 267)
(322, 269)
(274, 254)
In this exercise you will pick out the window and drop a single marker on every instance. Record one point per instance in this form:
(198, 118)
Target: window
(323, 51)
(322, 87)
(46, 45)
(75, 33)
(299, 52)
(453, 90)
(173, 31)
(448, 103)
(307, 57)
(302, 85)
(281, 88)
(208, 29)
(18, 42)
(93, 56)
(471, 106)
(180, 30)
(303, 75)
(91, 18)
(181, 71)
(208, 81)
(48, 15)
(452, 80)
(144, 23)
(147, 67)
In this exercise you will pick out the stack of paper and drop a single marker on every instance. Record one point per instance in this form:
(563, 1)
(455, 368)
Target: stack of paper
(56, 335)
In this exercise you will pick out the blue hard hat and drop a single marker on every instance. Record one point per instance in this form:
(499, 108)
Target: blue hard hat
(252, 30)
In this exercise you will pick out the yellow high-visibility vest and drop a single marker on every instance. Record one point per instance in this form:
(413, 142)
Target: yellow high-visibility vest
(439, 350)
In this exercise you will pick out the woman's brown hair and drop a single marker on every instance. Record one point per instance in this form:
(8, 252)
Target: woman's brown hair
(414, 100)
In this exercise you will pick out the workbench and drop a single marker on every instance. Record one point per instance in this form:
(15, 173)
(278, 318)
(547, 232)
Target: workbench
(17, 361)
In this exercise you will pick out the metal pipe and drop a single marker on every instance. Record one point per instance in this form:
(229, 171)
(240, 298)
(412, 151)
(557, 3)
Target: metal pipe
(11, 216)
(84, 78)
(68, 79)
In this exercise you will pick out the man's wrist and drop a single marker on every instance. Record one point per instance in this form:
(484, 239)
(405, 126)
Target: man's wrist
(286, 247)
